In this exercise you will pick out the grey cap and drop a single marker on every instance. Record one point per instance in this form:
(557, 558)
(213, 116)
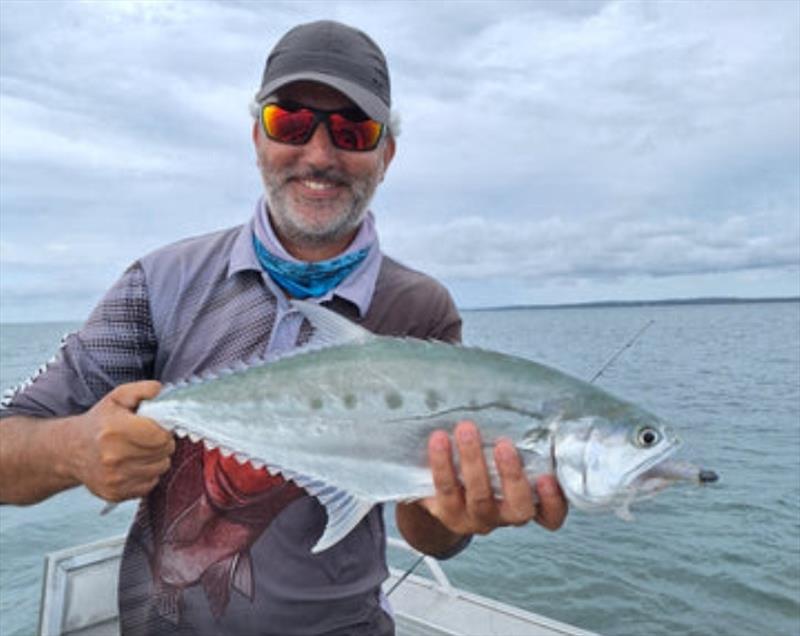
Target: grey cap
(334, 54)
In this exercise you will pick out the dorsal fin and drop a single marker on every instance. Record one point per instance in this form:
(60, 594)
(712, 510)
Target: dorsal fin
(330, 329)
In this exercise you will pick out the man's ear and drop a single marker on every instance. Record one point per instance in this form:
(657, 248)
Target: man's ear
(256, 129)
(389, 148)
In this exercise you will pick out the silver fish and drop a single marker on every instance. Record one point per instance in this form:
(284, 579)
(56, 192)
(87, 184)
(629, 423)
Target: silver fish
(347, 417)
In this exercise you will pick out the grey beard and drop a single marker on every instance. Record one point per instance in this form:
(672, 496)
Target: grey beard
(309, 236)
(280, 207)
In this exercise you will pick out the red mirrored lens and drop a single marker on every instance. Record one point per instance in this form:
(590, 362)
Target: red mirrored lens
(287, 126)
(354, 135)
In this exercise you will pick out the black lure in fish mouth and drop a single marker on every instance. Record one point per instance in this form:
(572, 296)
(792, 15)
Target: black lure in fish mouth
(670, 470)
(706, 476)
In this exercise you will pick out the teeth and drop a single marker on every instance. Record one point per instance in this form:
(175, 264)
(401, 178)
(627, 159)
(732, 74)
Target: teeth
(180, 432)
(194, 437)
(257, 464)
(317, 185)
(209, 444)
(241, 458)
(226, 452)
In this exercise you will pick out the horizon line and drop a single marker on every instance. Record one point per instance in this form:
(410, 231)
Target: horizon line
(699, 300)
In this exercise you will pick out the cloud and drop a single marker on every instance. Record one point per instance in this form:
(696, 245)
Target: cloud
(544, 144)
(551, 249)
(36, 135)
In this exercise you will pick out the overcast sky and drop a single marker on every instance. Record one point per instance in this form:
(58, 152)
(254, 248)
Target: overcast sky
(550, 152)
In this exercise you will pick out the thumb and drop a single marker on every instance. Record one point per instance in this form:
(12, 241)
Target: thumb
(129, 395)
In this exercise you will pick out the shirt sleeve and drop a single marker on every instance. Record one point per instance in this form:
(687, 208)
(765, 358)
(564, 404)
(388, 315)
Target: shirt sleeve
(116, 345)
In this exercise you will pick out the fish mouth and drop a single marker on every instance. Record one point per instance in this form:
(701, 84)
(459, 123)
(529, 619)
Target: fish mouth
(640, 474)
(669, 471)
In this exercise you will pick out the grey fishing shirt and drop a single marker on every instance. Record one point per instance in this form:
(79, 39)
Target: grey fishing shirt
(194, 565)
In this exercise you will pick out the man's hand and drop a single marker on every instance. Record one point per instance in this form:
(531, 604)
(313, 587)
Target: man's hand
(467, 506)
(472, 508)
(117, 454)
(112, 451)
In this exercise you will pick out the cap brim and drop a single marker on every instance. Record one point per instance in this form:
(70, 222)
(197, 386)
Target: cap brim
(370, 103)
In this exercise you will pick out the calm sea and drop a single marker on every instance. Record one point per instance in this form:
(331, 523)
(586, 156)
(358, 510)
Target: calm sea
(718, 560)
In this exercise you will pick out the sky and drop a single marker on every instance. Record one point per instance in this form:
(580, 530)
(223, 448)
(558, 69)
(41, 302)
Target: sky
(551, 151)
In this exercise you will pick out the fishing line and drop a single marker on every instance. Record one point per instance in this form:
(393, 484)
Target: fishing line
(406, 574)
(620, 351)
(599, 372)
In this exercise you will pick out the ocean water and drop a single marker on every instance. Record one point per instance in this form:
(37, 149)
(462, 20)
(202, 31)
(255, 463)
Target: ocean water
(723, 559)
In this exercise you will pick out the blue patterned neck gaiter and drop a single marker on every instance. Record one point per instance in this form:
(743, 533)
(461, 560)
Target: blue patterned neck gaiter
(308, 280)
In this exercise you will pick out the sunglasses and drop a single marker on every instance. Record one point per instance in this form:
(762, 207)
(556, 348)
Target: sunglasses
(348, 129)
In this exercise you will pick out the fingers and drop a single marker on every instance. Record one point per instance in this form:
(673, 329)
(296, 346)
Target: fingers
(468, 505)
(517, 506)
(121, 455)
(149, 436)
(125, 477)
(139, 431)
(449, 499)
(481, 507)
(131, 489)
(139, 436)
(552, 503)
(129, 395)
(141, 489)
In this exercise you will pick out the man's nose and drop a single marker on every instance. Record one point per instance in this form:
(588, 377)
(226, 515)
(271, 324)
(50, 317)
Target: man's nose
(319, 150)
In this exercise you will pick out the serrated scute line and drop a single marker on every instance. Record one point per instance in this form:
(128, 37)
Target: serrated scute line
(241, 457)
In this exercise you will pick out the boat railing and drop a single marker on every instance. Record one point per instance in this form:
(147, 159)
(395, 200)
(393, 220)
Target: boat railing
(71, 600)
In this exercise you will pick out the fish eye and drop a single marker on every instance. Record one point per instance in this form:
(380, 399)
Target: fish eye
(647, 437)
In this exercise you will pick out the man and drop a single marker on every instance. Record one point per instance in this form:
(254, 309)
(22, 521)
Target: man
(219, 548)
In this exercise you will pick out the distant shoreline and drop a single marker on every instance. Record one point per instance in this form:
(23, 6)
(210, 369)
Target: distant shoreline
(600, 304)
(613, 304)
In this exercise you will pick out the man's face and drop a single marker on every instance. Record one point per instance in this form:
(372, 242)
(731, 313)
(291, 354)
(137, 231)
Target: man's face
(318, 194)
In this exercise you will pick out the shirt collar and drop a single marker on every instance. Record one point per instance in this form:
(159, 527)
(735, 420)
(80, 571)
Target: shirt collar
(357, 288)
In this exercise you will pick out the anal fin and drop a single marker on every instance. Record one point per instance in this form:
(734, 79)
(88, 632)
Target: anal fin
(345, 510)
(343, 516)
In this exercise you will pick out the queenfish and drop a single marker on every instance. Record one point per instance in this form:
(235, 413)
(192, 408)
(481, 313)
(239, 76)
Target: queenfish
(347, 417)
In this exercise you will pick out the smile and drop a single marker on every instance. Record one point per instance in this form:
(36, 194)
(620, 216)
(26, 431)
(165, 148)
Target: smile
(319, 185)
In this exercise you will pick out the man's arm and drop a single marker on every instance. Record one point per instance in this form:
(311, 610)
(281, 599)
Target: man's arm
(116, 454)
(439, 524)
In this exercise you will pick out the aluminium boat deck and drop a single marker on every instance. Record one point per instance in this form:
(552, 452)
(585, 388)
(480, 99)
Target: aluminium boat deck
(79, 598)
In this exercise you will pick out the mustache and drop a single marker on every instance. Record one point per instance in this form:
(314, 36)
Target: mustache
(317, 174)
(321, 174)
